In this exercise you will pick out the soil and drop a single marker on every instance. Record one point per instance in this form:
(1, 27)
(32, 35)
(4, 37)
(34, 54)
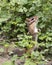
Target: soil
(5, 58)
(2, 60)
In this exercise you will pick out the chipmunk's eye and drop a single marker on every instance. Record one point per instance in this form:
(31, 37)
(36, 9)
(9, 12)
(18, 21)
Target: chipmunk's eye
(32, 19)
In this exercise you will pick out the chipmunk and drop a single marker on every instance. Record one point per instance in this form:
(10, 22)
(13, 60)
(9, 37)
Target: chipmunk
(32, 28)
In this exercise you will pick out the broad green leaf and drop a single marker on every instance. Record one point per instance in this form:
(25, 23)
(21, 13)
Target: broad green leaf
(8, 63)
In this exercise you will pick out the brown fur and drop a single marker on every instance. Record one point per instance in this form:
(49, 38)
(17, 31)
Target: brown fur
(32, 25)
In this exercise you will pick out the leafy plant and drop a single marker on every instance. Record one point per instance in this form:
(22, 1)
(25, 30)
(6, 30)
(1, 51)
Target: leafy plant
(13, 14)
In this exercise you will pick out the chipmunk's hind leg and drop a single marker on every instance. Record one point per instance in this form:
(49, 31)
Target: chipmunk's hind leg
(35, 38)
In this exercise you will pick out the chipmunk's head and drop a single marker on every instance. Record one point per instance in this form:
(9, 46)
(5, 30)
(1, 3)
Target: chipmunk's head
(34, 18)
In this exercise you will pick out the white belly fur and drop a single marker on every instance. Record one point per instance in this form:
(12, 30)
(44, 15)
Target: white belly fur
(35, 30)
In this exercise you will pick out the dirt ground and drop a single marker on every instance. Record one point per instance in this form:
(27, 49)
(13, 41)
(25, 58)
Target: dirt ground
(7, 58)
(2, 60)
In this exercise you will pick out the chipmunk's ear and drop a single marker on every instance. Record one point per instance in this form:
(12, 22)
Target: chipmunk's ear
(36, 17)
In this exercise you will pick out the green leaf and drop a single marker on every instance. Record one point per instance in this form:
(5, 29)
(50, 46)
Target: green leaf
(1, 50)
(43, 37)
(22, 2)
(14, 58)
(29, 62)
(8, 63)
